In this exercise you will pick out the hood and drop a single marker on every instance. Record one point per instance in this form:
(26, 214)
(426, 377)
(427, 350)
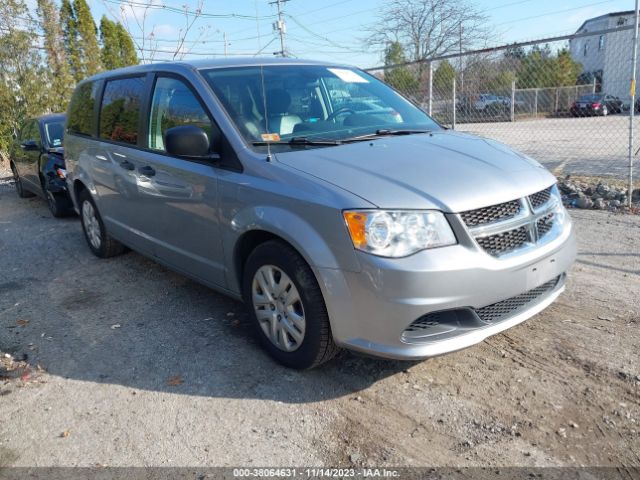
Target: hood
(445, 170)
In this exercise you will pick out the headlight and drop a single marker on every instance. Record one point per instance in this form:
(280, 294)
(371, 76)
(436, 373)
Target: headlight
(395, 233)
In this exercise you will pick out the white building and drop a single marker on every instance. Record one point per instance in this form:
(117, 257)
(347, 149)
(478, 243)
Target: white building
(607, 56)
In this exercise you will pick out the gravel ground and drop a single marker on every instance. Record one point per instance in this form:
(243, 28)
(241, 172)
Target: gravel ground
(123, 363)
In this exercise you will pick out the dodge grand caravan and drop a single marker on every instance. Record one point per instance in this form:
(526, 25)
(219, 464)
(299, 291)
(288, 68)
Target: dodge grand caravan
(373, 229)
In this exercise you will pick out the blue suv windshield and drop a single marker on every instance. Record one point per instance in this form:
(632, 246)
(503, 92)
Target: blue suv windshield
(278, 103)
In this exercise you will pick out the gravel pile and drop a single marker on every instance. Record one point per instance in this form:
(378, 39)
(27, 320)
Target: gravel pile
(602, 196)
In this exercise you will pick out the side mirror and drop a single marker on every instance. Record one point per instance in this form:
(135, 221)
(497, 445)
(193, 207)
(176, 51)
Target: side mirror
(30, 145)
(188, 141)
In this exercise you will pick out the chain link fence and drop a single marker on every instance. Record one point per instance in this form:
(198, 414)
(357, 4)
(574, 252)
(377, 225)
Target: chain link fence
(564, 101)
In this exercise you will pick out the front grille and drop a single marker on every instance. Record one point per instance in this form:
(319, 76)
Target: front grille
(482, 216)
(504, 242)
(544, 224)
(498, 311)
(540, 198)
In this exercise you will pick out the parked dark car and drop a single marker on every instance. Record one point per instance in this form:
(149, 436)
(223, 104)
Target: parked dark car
(37, 162)
(596, 104)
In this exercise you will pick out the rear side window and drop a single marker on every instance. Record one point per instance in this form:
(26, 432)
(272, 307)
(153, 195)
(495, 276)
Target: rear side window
(120, 111)
(173, 105)
(81, 110)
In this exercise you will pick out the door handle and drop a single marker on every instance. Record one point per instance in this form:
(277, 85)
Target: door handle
(147, 171)
(127, 165)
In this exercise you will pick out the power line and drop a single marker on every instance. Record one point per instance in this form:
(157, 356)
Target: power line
(133, 3)
(552, 13)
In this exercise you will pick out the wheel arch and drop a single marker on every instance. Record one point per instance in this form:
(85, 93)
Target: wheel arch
(252, 227)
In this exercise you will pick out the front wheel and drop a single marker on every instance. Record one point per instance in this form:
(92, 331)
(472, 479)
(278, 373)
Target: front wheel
(287, 307)
(100, 242)
(58, 203)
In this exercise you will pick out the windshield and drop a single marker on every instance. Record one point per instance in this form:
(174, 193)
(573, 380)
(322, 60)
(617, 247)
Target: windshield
(54, 132)
(311, 102)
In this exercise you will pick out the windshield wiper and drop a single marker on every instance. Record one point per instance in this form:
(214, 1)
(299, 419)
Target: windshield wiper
(384, 132)
(300, 141)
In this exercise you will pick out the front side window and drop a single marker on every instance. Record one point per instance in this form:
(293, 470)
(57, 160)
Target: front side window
(173, 105)
(311, 101)
(81, 109)
(120, 111)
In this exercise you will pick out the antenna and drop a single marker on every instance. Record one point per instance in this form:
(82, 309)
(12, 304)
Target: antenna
(280, 27)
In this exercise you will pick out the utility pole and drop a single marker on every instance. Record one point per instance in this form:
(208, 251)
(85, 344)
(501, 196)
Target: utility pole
(280, 27)
(224, 37)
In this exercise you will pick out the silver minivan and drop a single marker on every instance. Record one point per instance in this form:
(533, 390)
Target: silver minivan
(342, 214)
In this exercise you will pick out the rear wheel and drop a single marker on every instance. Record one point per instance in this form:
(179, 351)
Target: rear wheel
(605, 111)
(287, 307)
(100, 242)
(20, 190)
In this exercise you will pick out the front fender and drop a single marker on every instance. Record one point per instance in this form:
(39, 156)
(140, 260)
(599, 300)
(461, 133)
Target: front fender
(292, 228)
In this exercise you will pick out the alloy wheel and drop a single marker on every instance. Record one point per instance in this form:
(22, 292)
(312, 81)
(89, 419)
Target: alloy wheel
(91, 224)
(278, 307)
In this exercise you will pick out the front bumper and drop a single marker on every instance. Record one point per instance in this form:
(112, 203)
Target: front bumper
(370, 310)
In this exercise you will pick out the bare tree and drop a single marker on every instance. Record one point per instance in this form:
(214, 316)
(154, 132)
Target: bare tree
(147, 43)
(429, 28)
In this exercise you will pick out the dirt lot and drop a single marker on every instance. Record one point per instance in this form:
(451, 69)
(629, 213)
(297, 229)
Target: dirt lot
(141, 366)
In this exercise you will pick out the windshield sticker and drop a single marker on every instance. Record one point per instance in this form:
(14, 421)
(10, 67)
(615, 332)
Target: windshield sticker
(348, 76)
(270, 137)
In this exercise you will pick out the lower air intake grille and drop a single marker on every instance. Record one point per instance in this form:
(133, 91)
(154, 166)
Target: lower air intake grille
(504, 242)
(496, 312)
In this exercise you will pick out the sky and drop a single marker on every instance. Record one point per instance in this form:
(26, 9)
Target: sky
(333, 30)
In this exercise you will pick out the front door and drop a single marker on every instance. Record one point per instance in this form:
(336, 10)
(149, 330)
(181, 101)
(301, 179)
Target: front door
(180, 196)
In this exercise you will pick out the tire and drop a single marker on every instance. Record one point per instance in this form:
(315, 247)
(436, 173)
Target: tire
(313, 342)
(100, 242)
(58, 203)
(20, 190)
(605, 111)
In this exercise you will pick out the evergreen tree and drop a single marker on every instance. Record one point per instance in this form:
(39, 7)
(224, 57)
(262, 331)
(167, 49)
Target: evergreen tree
(443, 78)
(110, 53)
(128, 55)
(70, 36)
(58, 72)
(87, 39)
(399, 77)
